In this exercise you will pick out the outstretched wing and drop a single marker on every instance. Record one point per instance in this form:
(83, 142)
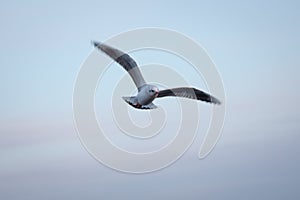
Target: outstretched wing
(191, 93)
(125, 61)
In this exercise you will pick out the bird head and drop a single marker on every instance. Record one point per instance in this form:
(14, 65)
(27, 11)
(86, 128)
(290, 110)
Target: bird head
(153, 91)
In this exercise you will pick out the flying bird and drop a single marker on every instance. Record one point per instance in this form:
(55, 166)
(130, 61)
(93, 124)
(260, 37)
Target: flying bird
(146, 92)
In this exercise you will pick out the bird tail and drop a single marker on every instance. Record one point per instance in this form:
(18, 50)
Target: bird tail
(133, 102)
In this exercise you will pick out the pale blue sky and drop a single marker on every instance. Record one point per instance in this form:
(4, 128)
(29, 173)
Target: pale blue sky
(255, 45)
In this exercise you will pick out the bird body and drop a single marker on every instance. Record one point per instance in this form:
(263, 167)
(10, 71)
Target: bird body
(146, 92)
(144, 98)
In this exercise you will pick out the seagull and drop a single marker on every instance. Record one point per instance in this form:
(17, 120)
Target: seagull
(146, 92)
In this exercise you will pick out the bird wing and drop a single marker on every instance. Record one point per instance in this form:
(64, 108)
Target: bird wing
(125, 61)
(187, 92)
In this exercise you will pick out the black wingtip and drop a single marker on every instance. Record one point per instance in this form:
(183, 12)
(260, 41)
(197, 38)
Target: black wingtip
(215, 101)
(95, 43)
